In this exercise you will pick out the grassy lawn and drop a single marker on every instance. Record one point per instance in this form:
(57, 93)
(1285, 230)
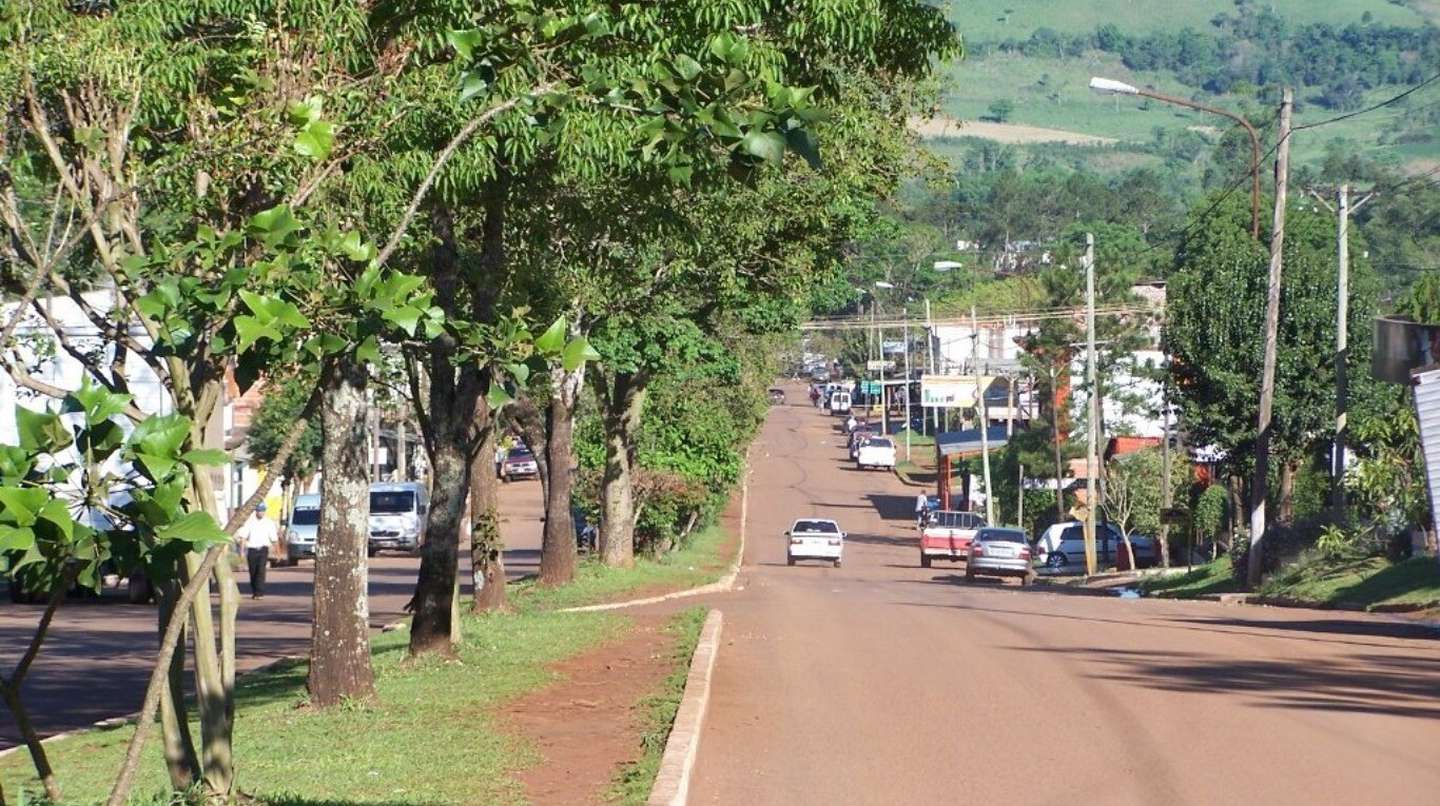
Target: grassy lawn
(988, 20)
(1212, 577)
(698, 563)
(430, 740)
(633, 784)
(1369, 582)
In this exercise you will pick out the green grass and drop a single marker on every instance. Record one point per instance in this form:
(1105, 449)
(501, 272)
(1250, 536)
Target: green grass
(980, 20)
(1213, 577)
(431, 739)
(1368, 582)
(698, 563)
(917, 440)
(633, 783)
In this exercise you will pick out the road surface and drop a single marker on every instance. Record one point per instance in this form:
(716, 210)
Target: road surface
(882, 683)
(97, 658)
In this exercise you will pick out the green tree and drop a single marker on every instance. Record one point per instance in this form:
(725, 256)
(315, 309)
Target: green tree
(281, 407)
(1001, 110)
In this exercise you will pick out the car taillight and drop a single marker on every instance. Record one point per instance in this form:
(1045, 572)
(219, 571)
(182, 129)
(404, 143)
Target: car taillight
(1024, 554)
(977, 549)
(795, 541)
(834, 542)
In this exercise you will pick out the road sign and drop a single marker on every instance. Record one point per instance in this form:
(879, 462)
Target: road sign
(948, 391)
(876, 366)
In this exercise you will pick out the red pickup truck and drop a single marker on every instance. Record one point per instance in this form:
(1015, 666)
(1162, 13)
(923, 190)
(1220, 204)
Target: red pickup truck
(946, 535)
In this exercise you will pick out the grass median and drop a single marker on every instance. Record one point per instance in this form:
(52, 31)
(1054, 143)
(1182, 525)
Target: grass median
(1369, 583)
(633, 783)
(430, 739)
(705, 558)
(1210, 578)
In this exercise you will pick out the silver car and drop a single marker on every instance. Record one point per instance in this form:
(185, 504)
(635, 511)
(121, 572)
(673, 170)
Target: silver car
(999, 552)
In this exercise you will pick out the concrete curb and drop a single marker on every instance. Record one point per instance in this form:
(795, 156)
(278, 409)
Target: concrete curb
(723, 585)
(672, 782)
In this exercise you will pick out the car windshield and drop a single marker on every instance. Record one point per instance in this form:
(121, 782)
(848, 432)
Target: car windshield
(520, 455)
(957, 520)
(827, 527)
(305, 517)
(879, 443)
(1001, 536)
(392, 501)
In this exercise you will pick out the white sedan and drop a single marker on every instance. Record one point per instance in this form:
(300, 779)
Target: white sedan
(815, 539)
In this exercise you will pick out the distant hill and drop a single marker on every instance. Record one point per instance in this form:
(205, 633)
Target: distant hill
(1029, 63)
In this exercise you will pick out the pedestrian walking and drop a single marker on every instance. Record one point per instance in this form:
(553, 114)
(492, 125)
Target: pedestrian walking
(258, 534)
(814, 396)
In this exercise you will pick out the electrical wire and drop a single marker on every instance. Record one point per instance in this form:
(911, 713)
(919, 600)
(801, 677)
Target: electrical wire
(1367, 110)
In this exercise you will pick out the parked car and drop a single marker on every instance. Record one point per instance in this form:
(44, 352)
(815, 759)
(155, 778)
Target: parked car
(1062, 547)
(839, 402)
(777, 396)
(519, 463)
(302, 529)
(947, 535)
(814, 539)
(876, 452)
(1000, 552)
(862, 432)
(397, 515)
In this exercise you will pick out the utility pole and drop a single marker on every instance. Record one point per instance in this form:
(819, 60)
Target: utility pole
(906, 387)
(1092, 456)
(984, 417)
(1059, 465)
(1166, 490)
(1020, 500)
(930, 357)
(1260, 486)
(1343, 208)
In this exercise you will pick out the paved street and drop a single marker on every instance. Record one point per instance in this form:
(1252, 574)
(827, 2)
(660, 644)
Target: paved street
(883, 683)
(97, 658)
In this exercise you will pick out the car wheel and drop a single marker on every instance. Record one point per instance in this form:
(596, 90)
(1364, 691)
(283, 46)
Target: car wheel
(924, 560)
(837, 562)
(789, 560)
(371, 551)
(1056, 560)
(969, 575)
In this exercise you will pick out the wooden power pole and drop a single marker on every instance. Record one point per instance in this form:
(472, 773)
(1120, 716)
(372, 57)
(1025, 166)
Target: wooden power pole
(1092, 456)
(984, 417)
(1260, 485)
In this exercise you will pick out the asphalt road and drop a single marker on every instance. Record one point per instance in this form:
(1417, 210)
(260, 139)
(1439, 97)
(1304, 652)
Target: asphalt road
(97, 658)
(883, 683)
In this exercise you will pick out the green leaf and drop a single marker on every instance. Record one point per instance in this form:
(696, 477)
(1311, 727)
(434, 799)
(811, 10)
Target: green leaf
(497, 397)
(369, 350)
(158, 467)
(41, 431)
(160, 434)
(405, 317)
(577, 352)
(20, 505)
(211, 457)
(768, 146)
(58, 515)
(303, 112)
(471, 85)
(196, 528)
(249, 330)
(687, 67)
(552, 341)
(802, 142)
(464, 42)
(680, 174)
(274, 225)
(315, 140)
(98, 403)
(520, 372)
(16, 538)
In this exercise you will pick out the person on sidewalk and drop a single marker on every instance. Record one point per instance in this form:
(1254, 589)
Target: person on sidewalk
(259, 534)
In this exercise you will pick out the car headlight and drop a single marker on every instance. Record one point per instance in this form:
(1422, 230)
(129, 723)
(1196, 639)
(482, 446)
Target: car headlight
(292, 536)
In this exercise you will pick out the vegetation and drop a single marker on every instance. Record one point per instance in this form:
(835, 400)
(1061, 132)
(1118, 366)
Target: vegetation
(1213, 577)
(1370, 583)
(349, 753)
(634, 782)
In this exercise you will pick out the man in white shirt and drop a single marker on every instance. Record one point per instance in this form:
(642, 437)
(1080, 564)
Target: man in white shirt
(259, 534)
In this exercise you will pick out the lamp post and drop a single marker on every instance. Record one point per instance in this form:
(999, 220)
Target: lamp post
(1113, 87)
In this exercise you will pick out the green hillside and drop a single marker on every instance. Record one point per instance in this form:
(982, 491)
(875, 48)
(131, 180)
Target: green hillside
(987, 20)
(1050, 90)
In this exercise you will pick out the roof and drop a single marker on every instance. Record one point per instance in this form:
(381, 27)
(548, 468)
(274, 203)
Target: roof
(967, 442)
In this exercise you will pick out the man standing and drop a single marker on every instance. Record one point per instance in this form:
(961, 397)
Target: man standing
(259, 534)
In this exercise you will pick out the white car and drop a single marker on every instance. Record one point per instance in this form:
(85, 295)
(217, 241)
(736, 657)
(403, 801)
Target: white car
(814, 539)
(875, 452)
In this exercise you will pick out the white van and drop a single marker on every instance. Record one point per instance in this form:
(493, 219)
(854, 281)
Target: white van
(397, 515)
(839, 403)
(302, 528)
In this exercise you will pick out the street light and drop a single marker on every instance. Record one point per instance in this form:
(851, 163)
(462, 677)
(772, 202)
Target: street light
(1109, 85)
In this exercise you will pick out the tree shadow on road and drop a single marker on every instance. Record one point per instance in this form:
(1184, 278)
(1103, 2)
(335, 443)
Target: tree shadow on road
(893, 507)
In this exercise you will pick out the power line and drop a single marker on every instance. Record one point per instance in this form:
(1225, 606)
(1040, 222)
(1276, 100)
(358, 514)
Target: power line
(1394, 99)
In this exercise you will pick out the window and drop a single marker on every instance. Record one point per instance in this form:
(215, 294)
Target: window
(305, 517)
(1001, 536)
(390, 502)
(520, 455)
(825, 527)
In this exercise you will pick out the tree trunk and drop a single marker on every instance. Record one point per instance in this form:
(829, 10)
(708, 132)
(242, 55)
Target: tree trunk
(1286, 510)
(1059, 463)
(432, 627)
(1237, 507)
(621, 401)
(557, 551)
(340, 668)
(180, 759)
(487, 556)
